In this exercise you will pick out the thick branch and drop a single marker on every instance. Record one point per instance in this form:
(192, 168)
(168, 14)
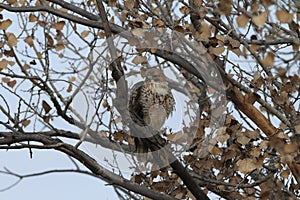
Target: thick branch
(87, 161)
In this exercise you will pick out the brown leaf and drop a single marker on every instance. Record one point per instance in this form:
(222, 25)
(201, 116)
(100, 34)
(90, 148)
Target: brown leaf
(198, 2)
(5, 80)
(3, 64)
(50, 40)
(215, 150)
(70, 87)
(112, 3)
(32, 18)
(129, 4)
(11, 63)
(5, 24)
(243, 140)
(184, 10)
(11, 1)
(11, 39)
(284, 16)
(246, 165)
(179, 29)
(157, 22)
(46, 106)
(233, 43)
(39, 55)
(268, 61)
(105, 104)
(29, 40)
(253, 48)
(285, 174)
(46, 118)
(260, 19)
(297, 129)
(290, 148)
(139, 59)
(26, 67)
(12, 83)
(242, 20)
(237, 51)
(9, 53)
(72, 79)
(225, 7)
(255, 152)
(85, 33)
(217, 51)
(138, 32)
(58, 26)
(118, 135)
(101, 34)
(25, 122)
(59, 45)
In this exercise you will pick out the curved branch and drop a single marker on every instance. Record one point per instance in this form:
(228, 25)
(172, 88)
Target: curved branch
(87, 161)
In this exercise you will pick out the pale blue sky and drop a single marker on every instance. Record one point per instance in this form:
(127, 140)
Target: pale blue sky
(59, 186)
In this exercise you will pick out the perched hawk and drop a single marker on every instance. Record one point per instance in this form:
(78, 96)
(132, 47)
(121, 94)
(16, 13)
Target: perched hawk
(151, 103)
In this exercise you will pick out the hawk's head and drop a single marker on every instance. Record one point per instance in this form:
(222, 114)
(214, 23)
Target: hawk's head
(155, 75)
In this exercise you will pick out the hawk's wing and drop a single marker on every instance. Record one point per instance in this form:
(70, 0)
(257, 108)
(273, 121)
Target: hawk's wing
(135, 106)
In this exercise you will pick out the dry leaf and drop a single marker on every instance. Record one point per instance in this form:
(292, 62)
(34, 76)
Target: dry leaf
(29, 40)
(237, 51)
(11, 39)
(285, 174)
(12, 84)
(25, 122)
(46, 118)
(261, 19)
(284, 17)
(85, 33)
(46, 106)
(32, 18)
(112, 3)
(26, 67)
(58, 26)
(253, 48)
(129, 4)
(101, 34)
(5, 24)
(9, 53)
(50, 41)
(246, 165)
(59, 45)
(124, 15)
(243, 140)
(198, 2)
(179, 29)
(70, 87)
(184, 10)
(5, 80)
(39, 55)
(268, 61)
(217, 51)
(139, 60)
(72, 79)
(225, 7)
(105, 104)
(3, 64)
(242, 20)
(11, 63)
(138, 32)
(11, 1)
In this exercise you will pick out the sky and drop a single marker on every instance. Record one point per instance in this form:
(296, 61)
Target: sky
(51, 186)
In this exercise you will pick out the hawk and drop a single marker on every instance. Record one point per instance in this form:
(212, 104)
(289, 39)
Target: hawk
(151, 103)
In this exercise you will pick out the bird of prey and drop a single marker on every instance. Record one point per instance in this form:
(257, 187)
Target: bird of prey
(151, 103)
